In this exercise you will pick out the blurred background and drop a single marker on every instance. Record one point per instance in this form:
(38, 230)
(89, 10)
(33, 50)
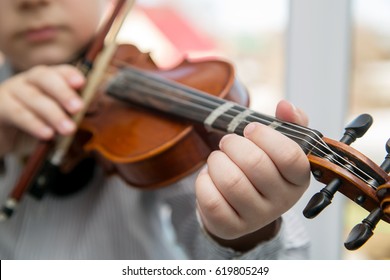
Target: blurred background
(329, 57)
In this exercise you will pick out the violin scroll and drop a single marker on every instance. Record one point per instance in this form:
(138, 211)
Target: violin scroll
(356, 129)
(346, 170)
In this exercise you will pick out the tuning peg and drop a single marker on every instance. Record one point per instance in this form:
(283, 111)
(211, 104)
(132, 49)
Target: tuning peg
(363, 231)
(321, 199)
(386, 163)
(357, 128)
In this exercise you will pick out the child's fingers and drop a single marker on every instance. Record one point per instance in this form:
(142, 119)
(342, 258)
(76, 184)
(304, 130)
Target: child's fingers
(217, 215)
(287, 112)
(41, 107)
(61, 84)
(235, 186)
(289, 159)
(19, 116)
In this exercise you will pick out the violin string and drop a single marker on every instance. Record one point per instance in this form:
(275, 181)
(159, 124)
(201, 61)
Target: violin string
(315, 150)
(176, 93)
(208, 100)
(213, 103)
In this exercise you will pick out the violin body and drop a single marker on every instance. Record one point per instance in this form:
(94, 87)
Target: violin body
(148, 148)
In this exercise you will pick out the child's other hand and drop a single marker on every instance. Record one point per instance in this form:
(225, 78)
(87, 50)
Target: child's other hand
(40, 100)
(252, 180)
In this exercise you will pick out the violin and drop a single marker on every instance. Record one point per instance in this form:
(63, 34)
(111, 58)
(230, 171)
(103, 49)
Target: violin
(155, 126)
(174, 92)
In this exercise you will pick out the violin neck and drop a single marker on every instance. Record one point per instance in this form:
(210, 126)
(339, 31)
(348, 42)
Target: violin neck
(216, 114)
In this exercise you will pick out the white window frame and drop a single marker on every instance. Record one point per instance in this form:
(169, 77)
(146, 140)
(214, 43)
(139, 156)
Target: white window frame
(317, 80)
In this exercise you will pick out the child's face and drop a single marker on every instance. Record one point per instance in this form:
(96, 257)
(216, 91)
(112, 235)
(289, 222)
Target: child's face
(36, 32)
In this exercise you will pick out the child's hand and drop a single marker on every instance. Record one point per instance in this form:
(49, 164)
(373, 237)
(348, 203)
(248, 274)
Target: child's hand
(252, 180)
(40, 100)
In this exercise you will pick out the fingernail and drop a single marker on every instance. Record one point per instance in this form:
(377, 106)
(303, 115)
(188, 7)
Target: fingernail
(223, 139)
(67, 126)
(75, 104)
(46, 132)
(293, 107)
(249, 128)
(76, 80)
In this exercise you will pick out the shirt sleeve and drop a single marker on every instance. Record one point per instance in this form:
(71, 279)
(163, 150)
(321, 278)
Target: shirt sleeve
(291, 242)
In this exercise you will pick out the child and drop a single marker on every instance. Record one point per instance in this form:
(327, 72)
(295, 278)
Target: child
(231, 209)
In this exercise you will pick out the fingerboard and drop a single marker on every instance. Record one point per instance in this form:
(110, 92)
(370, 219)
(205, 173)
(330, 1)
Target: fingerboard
(150, 90)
